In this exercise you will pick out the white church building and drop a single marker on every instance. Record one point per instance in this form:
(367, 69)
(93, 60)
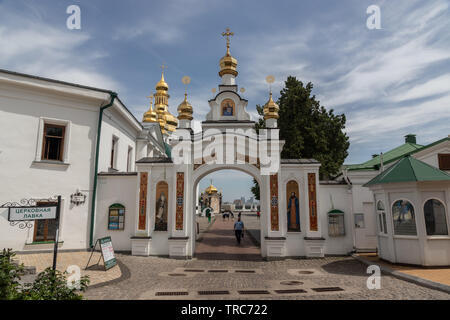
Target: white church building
(137, 180)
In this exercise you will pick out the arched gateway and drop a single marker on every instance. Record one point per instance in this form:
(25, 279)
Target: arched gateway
(179, 159)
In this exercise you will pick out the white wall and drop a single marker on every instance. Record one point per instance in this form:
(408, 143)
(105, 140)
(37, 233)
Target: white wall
(22, 112)
(114, 125)
(122, 190)
(341, 200)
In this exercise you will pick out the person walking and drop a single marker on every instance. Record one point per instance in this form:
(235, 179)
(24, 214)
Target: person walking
(239, 230)
(258, 214)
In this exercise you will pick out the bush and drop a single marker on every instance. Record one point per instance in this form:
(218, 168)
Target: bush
(48, 285)
(9, 276)
(52, 285)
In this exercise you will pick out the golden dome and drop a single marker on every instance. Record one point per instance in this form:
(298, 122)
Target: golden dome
(171, 122)
(185, 110)
(228, 63)
(150, 115)
(271, 109)
(162, 85)
(211, 189)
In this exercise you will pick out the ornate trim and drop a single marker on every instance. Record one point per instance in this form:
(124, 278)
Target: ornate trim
(312, 202)
(179, 201)
(143, 200)
(274, 223)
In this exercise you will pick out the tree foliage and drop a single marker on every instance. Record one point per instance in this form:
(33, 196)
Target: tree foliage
(308, 129)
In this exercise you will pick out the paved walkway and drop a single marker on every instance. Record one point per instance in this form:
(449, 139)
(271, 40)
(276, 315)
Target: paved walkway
(219, 243)
(439, 275)
(96, 273)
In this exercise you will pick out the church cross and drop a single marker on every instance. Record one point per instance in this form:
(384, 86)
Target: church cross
(163, 67)
(228, 34)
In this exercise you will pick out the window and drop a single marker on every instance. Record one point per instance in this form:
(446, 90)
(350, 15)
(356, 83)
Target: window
(336, 226)
(116, 217)
(44, 230)
(444, 161)
(381, 213)
(359, 221)
(435, 219)
(403, 218)
(53, 142)
(112, 163)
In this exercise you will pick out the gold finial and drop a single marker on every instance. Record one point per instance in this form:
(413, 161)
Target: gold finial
(228, 34)
(228, 63)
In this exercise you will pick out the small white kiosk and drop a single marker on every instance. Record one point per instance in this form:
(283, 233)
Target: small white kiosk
(411, 204)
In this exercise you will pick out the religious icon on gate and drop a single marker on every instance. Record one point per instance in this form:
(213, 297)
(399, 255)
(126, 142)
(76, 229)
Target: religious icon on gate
(293, 211)
(161, 206)
(227, 107)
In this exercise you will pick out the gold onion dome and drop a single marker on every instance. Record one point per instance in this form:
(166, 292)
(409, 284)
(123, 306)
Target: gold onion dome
(162, 84)
(171, 122)
(150, 115)
(211, 189)
(271, 109)
(228, 64)
(185, 110)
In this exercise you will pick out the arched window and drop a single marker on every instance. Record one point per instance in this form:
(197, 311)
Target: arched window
(116, 217)
(435, 218)
(292, 206)
(404, 218)
(381, 213)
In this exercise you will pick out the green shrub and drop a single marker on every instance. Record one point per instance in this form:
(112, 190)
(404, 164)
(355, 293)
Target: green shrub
(48, 285)
(10, 273)
(52, 285)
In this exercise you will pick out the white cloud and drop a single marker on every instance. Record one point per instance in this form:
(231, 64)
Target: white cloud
(29, 45)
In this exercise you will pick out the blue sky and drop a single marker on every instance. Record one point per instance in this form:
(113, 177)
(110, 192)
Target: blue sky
(388, 82)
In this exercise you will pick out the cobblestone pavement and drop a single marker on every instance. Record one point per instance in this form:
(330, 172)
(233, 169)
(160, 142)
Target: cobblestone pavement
(145, 276)
(241, 274)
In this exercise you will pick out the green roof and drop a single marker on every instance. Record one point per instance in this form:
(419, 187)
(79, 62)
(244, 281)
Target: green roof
(409, 169)
(391, 155)
(395, 154)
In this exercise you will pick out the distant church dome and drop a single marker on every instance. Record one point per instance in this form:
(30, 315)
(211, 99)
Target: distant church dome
(211, 189)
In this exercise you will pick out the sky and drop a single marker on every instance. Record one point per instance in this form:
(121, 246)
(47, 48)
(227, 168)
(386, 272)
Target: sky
(389, 82)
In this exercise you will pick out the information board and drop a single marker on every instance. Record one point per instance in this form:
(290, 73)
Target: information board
(107, 252)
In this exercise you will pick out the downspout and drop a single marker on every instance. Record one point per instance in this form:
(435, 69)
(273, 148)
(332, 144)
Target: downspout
(113, 96)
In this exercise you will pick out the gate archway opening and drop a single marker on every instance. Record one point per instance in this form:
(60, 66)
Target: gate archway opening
(217, 241)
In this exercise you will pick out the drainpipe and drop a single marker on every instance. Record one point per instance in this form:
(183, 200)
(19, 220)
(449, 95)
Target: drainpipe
(113, 96)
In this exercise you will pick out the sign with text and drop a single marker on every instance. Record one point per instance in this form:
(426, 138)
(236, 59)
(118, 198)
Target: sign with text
(31, 213)
(107, 252)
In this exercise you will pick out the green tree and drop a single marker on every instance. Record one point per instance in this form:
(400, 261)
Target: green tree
(308, 129)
